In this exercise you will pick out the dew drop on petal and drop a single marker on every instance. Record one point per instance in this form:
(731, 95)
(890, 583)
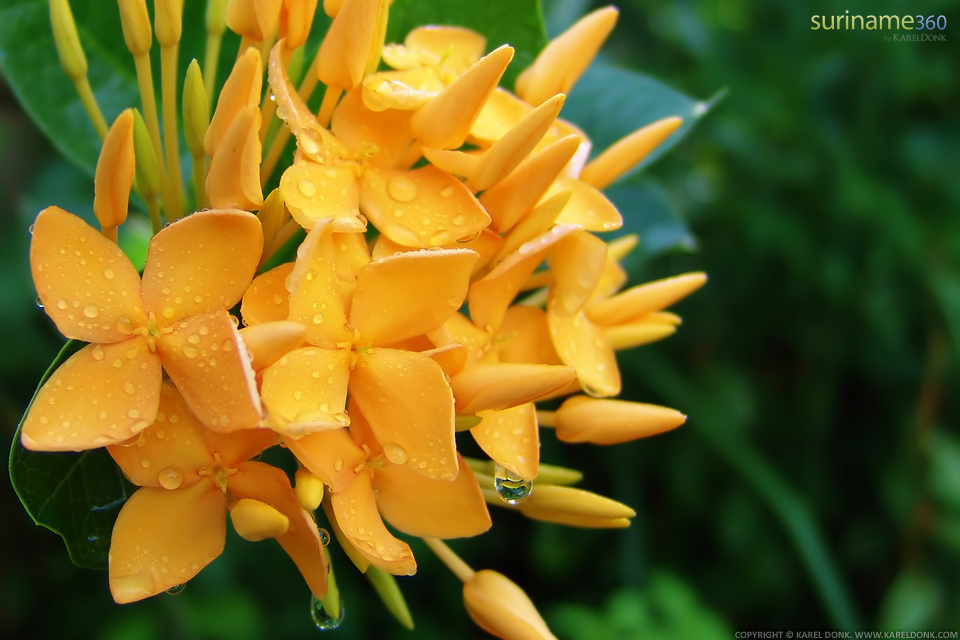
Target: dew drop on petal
(402, 189)
(109, 274)
(97, 352)
(324, 536)
(174, 590)
(171, 478)
(395, 453)
(446, 192)
(322, 618)
(511, 488)
(307, 188)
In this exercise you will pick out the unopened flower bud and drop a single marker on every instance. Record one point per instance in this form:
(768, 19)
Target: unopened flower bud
(628, 152)
(216, 18)
(604, 421)
(72, 59)
(115, 172)
(254, 19)
(501, 608)
(148, 173)
(168, 21)
(308, 489)
(256, 521)
(136, 26)
(196, 114)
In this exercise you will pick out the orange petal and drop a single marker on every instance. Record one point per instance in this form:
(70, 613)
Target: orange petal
(601, 421)
(296, 18)
(501, 112)
(259, 481)
(525, 337)
(315, 290)
(267, 342)
(577, 264)
(241, 445)
(314, 192)
(206, 359)
(408, 403)
(566, 57)
(628, 152)
(405, 90)
(509, 200)
(102, 395)
(86, 284)
(504, 385)
(406, 295)
(511, 437)
(163, 538)
(445, 121)
(360, 522)
(585, 347)
(201, 264)
(487, 245)
(169, 452)
(457, 163)
(346, 47)
(636, 334)
(588, 207)
(424, 207)
(332, 455)
(455, 49)
(537, 222)
(255, 19)
(380, 138)
(476, 340)
(636, 302)
(306, 391)
(233, 179)
(510, 150)
(115, 172)
(434, 508)
(491, 295)
(267, 298)
(242, 89)
(359, 560)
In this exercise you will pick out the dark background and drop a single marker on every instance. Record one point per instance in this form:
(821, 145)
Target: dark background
(817, 482)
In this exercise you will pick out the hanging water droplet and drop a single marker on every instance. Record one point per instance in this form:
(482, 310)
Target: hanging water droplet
(321, 618)
(171, 478)
(30, 229)
(511, 488)
(174, 590)
(308, 142)
(324, 536)
(39, 303)
(402, 189)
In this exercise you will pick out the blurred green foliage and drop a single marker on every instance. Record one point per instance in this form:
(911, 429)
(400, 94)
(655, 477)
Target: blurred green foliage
(817, 483)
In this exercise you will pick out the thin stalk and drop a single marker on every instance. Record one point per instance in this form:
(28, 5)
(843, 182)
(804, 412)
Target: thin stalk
(330, 98)
(150, 118)
(90, 105)
(459, 568)
(154, 211)
(110, 233)
(210, 59)
(168, 84)
(200, 181)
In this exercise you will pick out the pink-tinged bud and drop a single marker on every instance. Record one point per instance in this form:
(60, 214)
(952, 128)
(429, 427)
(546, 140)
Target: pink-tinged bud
(115, 172)
(501, 608)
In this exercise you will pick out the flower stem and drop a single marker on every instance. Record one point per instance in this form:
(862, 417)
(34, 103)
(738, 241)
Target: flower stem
(154, 211)
(546, 418)
(210, 59)
(150, 118)
(330, 98)
(459, 568)
(168, 82)
(89, 102)
(200, 181)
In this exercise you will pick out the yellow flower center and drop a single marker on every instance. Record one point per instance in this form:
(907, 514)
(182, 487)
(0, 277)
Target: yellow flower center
(220, 472)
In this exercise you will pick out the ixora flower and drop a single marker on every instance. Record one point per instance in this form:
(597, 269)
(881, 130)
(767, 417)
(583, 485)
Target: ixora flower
(421, 189)
(174, 317)
(189, 477)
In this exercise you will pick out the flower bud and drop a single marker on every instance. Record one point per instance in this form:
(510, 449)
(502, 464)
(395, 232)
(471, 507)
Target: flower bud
(115, 171)
(256, 521)
(501, 608)
(168, 21)
(602, 421)
(72, 59)
(196, 113)
(136, 26)
(628, 152)
(308, 489)
(148, 172)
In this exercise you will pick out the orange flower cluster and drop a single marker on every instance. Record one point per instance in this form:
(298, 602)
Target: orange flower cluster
(370, 351)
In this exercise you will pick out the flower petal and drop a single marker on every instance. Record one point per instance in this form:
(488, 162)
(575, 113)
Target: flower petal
(164, 538)
(408, 403)
(360, 522)
(403, 296)
(434, 508)
(241, 89)
(260, 481)
(525, 337)
(585, 347)
(575, 508)
(267, 298)
(201, 263)
(424, 207)
(588, 207)
(501, 386)
(315, 290)
(314, 192)
(346, 47)
(269, 341)
(86, 284)
(603, 421)
(306, 391)
(636, 302)
(399, 91)
(577, 264)
(511, 437)
(103, 394)
(380, 138)
(168, 453)
(206, 359)
(491, 295)
(455, 49)
(332, 455)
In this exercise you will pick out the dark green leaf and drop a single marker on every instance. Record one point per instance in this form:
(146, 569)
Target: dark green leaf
(75, 495)
(610, 102)
(514, 22)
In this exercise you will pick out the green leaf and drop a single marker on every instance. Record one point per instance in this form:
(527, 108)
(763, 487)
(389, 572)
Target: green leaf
(610, 102)
(75, 495)
(648, 212)
(518, 23)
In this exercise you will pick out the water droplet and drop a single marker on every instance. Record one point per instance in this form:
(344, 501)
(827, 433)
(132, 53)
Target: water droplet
(145, 463)
(511, 488)
(129, 388)
(395, 453)
(446, 192)
(193, 338)
(317, 318)
(97, 352)
(324, 536)
(174, 590)
(338, 464)
(30, 229)
(321, 618)
(307, 188)
(171, 478)
(402, 189)
(190, 352)
(39, 303)
(459, 220)
(308, 142)
(62, 304)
